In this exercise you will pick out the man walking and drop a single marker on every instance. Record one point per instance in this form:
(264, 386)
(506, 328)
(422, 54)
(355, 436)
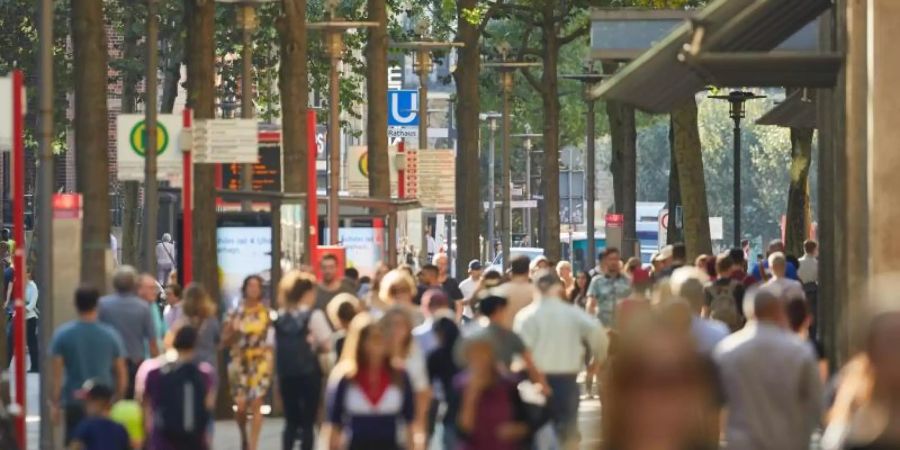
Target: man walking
(769, 379)
(519, 290)
(83, 350)
(131, 317)
(165, 259)
(608, 287)
(779, 283)
(468, 287)
(809, 276)
(556, 332)
(332, 284)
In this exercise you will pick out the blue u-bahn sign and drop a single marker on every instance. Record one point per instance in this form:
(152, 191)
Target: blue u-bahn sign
(403, 107)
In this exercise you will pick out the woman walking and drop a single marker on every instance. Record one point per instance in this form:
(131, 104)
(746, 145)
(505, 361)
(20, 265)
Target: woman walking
(250, 369)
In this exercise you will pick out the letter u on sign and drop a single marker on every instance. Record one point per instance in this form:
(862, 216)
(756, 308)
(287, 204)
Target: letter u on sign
(403, 108)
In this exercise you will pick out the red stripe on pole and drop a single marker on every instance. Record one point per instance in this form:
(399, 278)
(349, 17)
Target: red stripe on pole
(312, 200)
(19, 256)
(401, 174)
(187, 199)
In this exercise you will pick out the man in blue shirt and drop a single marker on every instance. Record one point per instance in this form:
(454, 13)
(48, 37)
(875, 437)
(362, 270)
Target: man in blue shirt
(761, 271)
(84, 349)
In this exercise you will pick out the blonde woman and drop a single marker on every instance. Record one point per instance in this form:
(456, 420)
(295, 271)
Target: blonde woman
(397, 289)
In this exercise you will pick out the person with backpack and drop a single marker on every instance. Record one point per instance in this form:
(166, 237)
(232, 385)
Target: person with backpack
(725, 295)
(301, 334)
(179, 398)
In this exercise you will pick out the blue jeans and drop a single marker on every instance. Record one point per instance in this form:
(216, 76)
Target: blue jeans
(563, 406)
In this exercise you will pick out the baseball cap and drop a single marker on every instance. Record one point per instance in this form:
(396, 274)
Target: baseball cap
(475, 265)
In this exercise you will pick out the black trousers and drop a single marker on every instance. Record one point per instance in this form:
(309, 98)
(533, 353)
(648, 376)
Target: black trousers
(301, 396)
(132, 367)
(31, 339)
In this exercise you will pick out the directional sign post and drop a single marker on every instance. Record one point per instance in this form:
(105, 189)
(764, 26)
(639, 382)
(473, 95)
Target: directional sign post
(226, 141)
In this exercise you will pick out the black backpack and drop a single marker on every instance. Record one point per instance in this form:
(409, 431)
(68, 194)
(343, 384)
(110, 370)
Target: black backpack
(294, 354)
(181, 413)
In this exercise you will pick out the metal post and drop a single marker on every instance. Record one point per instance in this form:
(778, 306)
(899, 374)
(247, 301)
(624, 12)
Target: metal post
(45, 215)
(335, 45)
(591, 184)
(737, 181)
(527, 210)
(151, 195)
(423, 67)
(18, 288)
(248, 24)
(571, 165)
(506, 237)
(187, 217)
(492, 195)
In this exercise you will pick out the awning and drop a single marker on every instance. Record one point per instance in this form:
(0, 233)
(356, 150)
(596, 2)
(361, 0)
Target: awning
(798, 110)
(674, 70)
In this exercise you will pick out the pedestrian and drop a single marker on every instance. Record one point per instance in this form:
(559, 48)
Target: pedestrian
(687, 284)
(397, 325)
(633, 263)
(769, 380)
(133, 319)
(865, 414)
(564, 271)
(468, 287)
(370, 403)
(351, 278)
(372, 300)
(435, 304)
(31, 325)
(659, 391)
(784, 286)
(449, 284)
(578, 295)
(84, 349)
(555, 331)
(519, 291)
(148, 291)
(637, 302)
(800, 321)
(396, 289)
(365, 286)
(674, 257)
(165, 258)
(608, 287)
(442, 369)
(725, 295)
(246, 334)
(492, 416)
(341, 311)
(808, 272)
(97, 431)
(332, 283)
(428, 278)
(302, 334)
(181, 395)
(172, 311)
(199, 312)
(761, 271)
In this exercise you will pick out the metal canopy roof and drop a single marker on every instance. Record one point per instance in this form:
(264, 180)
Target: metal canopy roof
(798, 110)
(667, 74)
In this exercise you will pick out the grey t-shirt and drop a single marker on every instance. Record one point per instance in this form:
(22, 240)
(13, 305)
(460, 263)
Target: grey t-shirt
(323, 296)
(507, 344)
(88, 350)
(132, 319)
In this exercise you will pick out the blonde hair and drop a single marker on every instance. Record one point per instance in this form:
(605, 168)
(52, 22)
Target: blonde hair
(353, 357)
(563, 265)
(393, 282)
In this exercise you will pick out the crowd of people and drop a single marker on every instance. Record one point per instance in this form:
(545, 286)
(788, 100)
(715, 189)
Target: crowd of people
(682, 356)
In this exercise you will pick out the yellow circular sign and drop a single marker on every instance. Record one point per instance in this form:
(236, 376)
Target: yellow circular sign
(138, 138)
(364, 164)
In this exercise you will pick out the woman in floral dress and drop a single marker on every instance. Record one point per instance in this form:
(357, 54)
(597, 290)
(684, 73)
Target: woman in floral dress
(250, 370)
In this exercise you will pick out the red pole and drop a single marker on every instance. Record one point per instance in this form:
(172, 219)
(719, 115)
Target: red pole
(187, 199)
(312, 199)
(401, 174)
(18, 188)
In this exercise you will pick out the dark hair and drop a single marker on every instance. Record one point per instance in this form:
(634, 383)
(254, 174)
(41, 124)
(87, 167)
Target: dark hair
(492, 275)
(608, 251)
(86, 298)
(99, 392)
(365, 279)
(176, 289)
(679, 252)
(185, 338)
(520, 265)
(430, 268)
(745, 242)
(351, 273)
(490, 304)
(724, 263)
(246, 284)
(346, 312)
(797, 312)
(736, 255)
(810, 246)
(294, 286)
(329, 257)
(447, 332)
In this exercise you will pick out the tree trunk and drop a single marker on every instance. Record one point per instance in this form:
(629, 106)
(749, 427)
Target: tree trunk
(673, 232)
(689, 158)
(798, 213)
(376, 89)
(550, 175)
(91, 135)
(623, 165)
(171, 73)
(294, 86)
(469, 208)
(130, 79)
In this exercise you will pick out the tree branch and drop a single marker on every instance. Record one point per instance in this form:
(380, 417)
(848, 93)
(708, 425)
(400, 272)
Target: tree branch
(533, 81)
(581, 31)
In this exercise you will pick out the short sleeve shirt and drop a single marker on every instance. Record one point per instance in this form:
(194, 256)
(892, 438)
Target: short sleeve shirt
(101, 434)
(608, 291)
(132, 319)
(89, 351)
(507, 344)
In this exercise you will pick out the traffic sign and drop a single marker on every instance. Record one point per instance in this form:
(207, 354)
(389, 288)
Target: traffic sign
(403, 107)
(226, 141)
(131, 135)
(6, 112)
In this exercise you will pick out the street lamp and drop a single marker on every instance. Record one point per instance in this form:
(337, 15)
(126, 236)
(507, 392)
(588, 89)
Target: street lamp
(334, 43)
(528, 145)
(506, 68)
(588, 81)
(491, 117)
(736, 99)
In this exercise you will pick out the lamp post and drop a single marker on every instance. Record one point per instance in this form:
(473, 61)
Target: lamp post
(736, 99)
(491, 117)
(505, 67)
(334, 30)
(588, 81)
(151, 186)
(527, 144)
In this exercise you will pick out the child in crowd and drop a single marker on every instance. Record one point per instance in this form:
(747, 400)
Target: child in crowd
(98, 431)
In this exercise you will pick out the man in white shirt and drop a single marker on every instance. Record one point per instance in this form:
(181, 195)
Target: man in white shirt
(782, 286)
(468, 287)
(770, 380)
(808, 272)
(555, 332)
(688, 284)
